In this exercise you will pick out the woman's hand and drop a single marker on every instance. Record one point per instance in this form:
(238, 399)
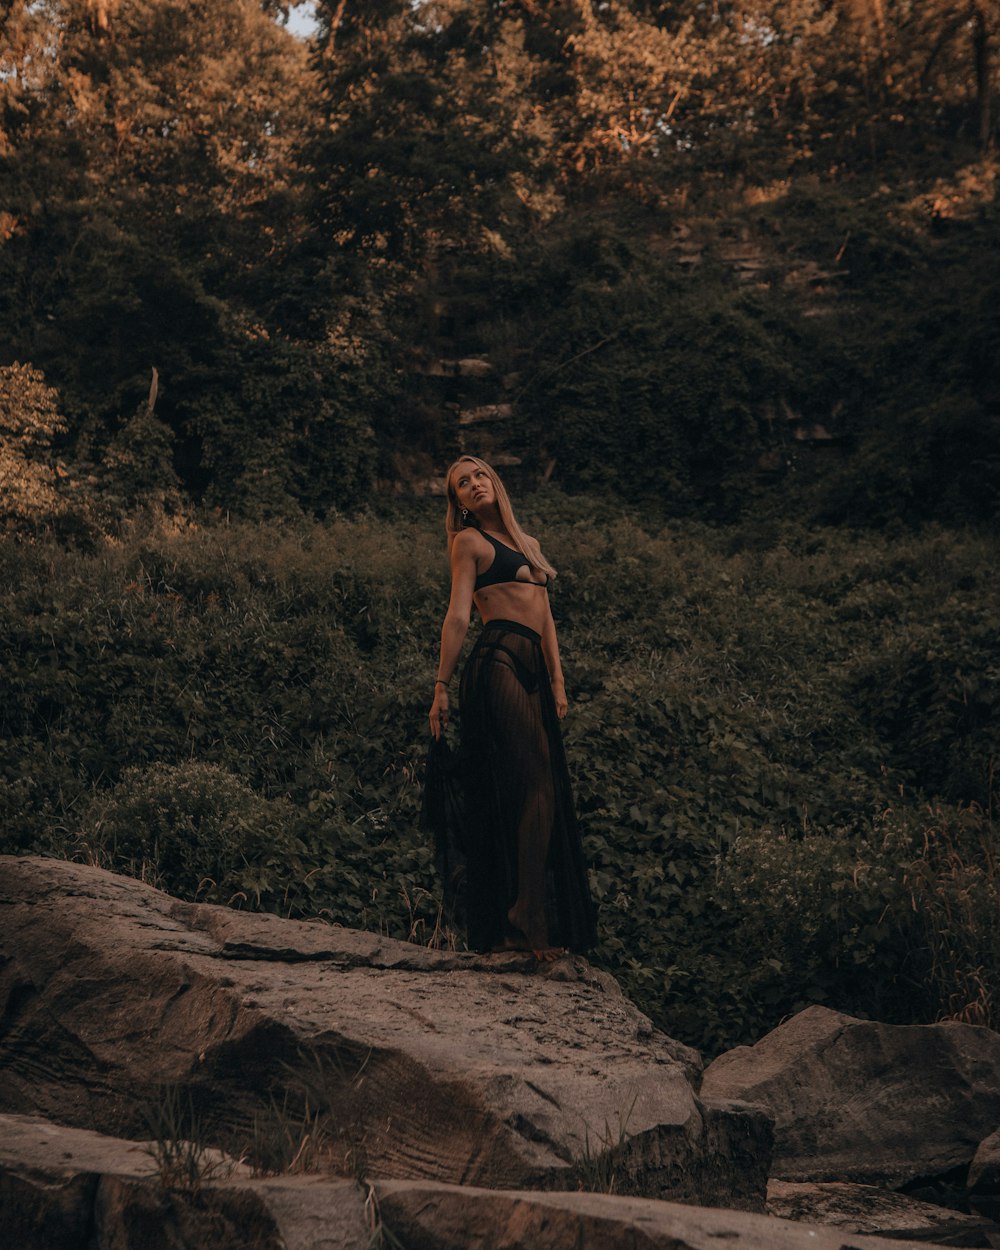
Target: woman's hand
(559, 694)
(439, 712)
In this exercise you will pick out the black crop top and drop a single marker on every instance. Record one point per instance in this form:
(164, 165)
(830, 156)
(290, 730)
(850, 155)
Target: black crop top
(505, 566)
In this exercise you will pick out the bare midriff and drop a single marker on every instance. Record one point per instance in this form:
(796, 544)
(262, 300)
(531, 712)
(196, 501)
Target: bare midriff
(514, 601)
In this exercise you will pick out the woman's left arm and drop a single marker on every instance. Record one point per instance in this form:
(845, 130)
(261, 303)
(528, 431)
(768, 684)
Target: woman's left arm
(550, 650)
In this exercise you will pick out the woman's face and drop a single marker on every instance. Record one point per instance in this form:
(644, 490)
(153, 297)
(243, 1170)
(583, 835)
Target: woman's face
(473, 486)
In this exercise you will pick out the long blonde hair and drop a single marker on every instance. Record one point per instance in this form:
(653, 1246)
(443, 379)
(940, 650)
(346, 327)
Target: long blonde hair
(454, 524)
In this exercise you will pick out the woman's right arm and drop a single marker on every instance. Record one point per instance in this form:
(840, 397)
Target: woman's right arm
(456, 624)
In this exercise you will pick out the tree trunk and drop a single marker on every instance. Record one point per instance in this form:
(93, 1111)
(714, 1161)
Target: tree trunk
(984, 81)
(883, 47)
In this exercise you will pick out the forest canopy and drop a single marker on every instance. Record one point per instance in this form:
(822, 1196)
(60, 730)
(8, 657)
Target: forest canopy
(729, 240)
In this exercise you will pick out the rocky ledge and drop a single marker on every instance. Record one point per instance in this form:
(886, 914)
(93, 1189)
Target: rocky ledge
(307, 1087)
(70, 1189)
(488, 1071)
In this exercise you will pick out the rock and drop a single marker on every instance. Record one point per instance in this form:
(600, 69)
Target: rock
(855, 1100)
(470, 367)
(485, 1070)
(867, 1209)
(427, 1216)
(485, 412)
(474, 367)
(49, 1178)
(984, 1179)
(72, 1189)
(984, 1171)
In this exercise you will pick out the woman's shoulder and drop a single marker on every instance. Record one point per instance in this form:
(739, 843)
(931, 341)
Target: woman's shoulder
(467, 542)
(469, 536)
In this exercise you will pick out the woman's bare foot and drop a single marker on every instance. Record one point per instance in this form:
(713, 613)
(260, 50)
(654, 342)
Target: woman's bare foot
(550, 954)
(544, 954)
(531, 934)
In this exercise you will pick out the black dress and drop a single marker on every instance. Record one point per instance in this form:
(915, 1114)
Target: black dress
(516, 831)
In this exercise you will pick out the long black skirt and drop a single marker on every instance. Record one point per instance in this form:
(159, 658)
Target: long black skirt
(519, 830)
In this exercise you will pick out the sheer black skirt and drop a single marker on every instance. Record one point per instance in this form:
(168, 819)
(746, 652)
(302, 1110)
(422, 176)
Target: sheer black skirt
(519, 828)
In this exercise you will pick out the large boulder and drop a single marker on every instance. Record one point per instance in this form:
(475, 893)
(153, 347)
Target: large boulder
(984, 1171)
(492, 1071)
(72, 1189)
(984, 1178)
(855, 1100)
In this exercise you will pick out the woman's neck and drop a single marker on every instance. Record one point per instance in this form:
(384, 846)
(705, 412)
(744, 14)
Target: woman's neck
(489, 519)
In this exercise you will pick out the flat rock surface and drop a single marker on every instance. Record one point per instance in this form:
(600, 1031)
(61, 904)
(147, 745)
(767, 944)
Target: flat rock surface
(35, 1146)
(441, 1217)
(473, 1069)
(72, 1189)
(66, 1188)
(856, 1100)
(868, 1209)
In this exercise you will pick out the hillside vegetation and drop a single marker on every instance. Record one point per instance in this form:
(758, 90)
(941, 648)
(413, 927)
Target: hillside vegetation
(784, 742)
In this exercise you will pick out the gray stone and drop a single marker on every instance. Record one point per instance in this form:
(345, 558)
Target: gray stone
(868, 1209)
(49, 1177)
(984, 1179)
(855, 1100)
(71, 1189)
(984, 1172)
(485, 1070)
(427, 1216)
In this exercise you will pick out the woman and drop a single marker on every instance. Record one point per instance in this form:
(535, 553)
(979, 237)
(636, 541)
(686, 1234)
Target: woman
(526, 882)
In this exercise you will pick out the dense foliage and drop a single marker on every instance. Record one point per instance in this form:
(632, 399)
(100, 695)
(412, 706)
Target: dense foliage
(662, 225)
(784, 742)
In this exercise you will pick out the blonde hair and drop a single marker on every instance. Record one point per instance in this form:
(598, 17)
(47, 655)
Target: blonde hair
(454, 524)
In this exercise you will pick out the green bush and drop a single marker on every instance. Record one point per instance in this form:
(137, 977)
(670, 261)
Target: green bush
(38, 494)
(199, 832)
(899, 922)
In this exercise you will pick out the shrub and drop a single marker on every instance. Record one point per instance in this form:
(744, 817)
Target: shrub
(900, 922)
(197, 831)
(29, 420)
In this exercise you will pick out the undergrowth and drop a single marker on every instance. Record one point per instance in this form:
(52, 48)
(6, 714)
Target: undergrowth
(178, 1142)
(783, 742)
(601, 1168)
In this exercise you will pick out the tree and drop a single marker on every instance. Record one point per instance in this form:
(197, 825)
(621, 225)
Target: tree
(152, 201)
(29, 422)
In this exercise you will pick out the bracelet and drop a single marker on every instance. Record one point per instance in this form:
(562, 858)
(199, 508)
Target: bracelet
(441, 682)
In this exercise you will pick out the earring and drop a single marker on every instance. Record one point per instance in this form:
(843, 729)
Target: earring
(465, 515)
